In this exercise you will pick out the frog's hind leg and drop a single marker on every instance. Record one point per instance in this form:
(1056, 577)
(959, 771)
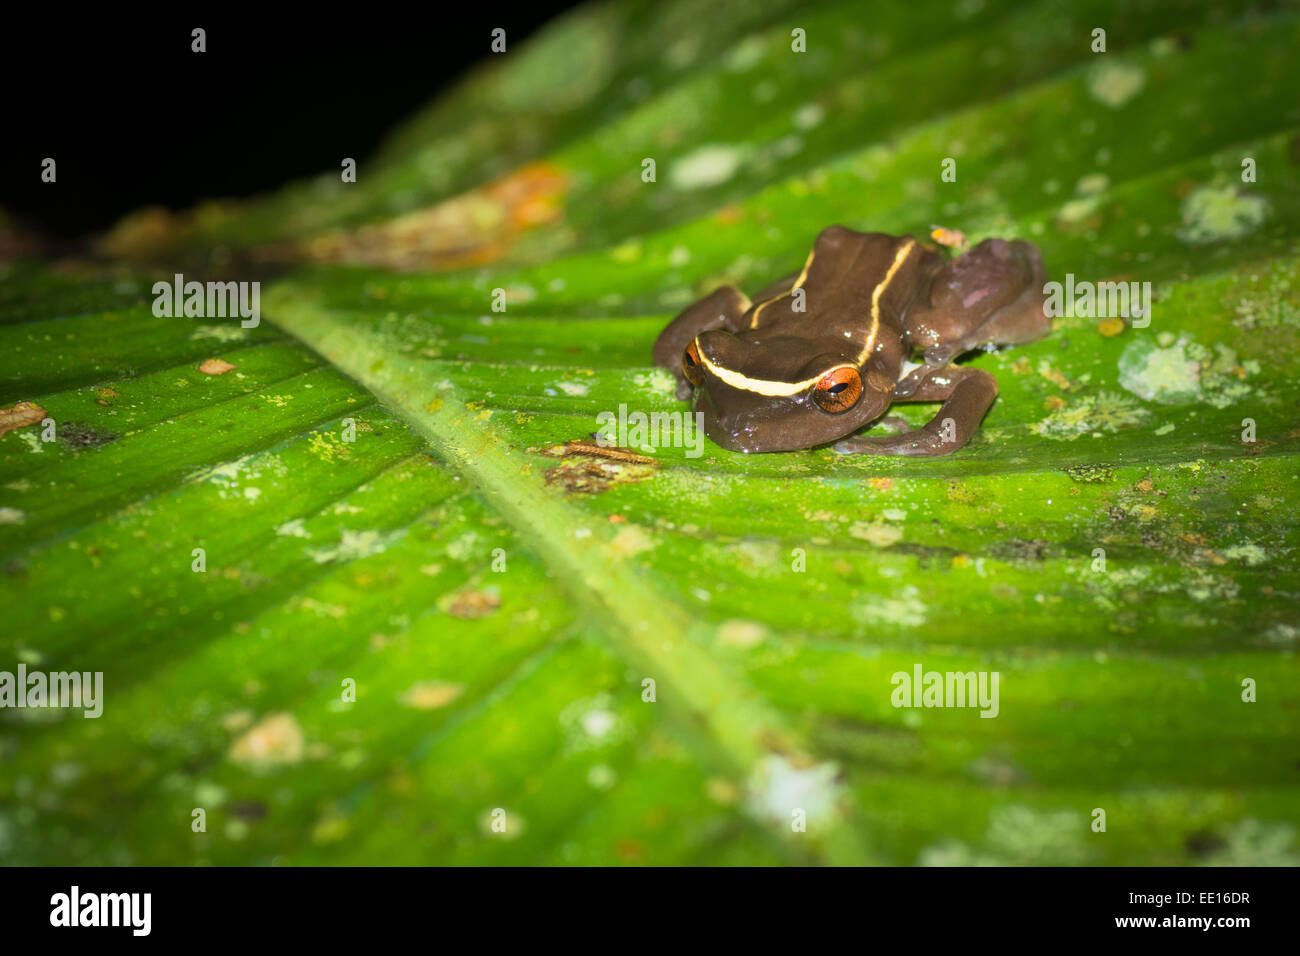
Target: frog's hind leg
(724, 308)
(992, 295)
(966, 393)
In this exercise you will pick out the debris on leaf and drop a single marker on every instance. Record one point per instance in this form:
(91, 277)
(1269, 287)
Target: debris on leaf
(591, 477)
(472, 604)
(1103, 413)
(1091, 474)
(1023, 551)
(589, 468)
(79, 435)
(952, 238)
(582, 446)
(215, 366)
(144, 235)
(474, 228)
(20, 416)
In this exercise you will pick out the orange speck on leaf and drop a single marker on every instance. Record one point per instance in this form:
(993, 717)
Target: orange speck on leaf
(729, 214)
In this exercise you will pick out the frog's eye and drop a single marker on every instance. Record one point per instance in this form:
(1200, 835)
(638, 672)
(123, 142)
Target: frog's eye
(838, 390)
(691, 365)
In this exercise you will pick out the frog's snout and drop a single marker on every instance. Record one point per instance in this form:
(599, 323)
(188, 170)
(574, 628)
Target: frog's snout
(722, 429)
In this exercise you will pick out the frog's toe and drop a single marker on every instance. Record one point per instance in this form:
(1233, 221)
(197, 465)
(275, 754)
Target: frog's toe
(920, 443)
(941, 354)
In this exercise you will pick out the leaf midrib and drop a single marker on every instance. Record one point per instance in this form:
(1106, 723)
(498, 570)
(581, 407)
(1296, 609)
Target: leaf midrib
(724, 718)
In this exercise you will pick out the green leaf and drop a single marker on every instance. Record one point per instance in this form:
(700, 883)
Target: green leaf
(499, 610)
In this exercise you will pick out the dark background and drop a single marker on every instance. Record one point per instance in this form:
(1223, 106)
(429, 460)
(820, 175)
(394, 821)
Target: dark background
(133, 118)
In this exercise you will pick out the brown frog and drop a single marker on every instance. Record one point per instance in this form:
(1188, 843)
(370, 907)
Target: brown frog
(825, 351)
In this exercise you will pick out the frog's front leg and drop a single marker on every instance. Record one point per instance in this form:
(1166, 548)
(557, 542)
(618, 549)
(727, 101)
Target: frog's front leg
(966, 394)
(721, 309)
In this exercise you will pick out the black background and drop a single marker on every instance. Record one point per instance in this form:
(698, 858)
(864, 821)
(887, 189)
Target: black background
(908, 909)
(133, 117)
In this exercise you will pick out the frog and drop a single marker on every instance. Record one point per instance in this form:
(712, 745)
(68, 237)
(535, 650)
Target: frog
(871, 320)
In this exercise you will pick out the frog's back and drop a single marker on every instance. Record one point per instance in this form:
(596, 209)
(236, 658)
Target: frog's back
(851, 284)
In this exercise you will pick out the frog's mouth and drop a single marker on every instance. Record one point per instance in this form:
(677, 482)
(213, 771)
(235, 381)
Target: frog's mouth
(732, 432)
(759, 429)
(780, 424)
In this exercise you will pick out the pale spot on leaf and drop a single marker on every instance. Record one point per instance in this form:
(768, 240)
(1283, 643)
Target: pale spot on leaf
(275, 741)
(431, 695)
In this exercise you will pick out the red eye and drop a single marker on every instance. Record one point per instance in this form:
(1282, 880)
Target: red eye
(691, 365)
(838, 390)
